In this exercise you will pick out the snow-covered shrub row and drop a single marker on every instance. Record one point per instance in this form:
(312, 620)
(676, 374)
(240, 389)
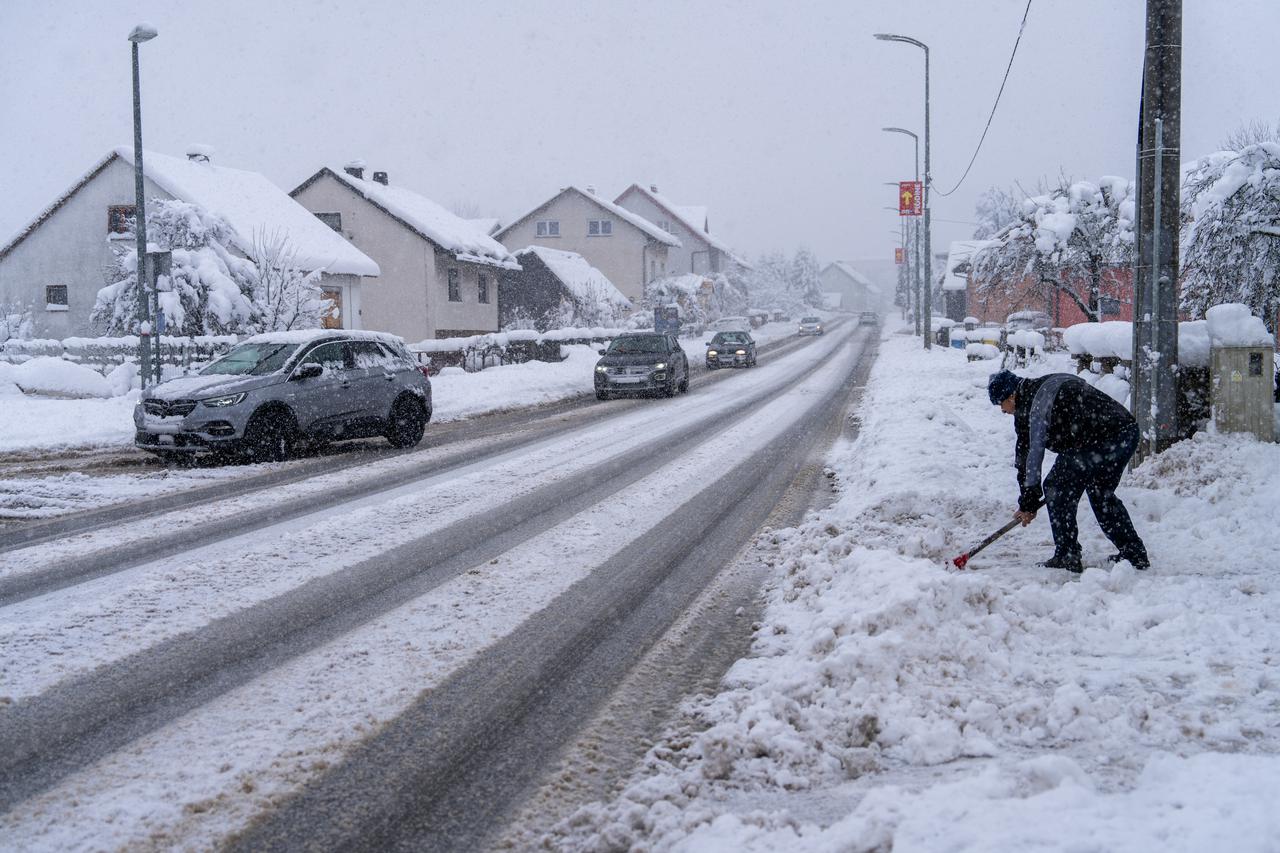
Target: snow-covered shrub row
(56, 377)
(502, 339)
(891, 703)
(1114, 339)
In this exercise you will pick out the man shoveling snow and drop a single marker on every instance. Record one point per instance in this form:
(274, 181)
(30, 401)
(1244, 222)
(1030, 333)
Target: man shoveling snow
(1094, 437)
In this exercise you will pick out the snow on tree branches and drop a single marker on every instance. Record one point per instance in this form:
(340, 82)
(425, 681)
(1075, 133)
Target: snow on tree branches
(286, 297)
(1231, 232)
(1066, 241)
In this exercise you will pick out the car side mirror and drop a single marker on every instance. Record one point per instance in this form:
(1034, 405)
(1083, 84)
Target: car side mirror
(309, 371)
(600, 351)
(708, 343)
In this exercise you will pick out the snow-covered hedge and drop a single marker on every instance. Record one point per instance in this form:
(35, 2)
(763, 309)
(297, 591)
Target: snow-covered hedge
(1114, 339)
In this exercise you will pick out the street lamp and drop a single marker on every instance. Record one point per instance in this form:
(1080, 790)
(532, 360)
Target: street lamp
(915, 266)
(928, 250)
(140, 33)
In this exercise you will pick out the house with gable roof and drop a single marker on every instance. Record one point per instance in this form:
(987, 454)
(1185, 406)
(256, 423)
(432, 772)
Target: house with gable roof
(699, 251)
(630, 250)
(555, 286)
(857, 292)
(439, 271)
(58, 262)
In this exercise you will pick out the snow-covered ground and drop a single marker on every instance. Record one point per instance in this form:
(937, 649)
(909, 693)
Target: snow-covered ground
(891, 702)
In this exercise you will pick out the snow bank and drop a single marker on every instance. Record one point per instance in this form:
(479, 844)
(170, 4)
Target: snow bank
(54, 376)
(1233, 325)
(1027, 339)
(1114, 339)
(982, 351)
(892, 703)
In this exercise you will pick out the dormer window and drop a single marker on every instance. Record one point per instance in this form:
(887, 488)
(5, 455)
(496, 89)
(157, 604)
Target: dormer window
(599, 227)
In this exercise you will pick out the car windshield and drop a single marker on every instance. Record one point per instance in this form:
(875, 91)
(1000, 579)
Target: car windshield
(256, 359)
(636, 344)
(809, 320)
(730, 338)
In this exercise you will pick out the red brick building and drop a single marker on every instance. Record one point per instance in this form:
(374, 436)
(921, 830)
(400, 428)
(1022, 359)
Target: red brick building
(998, 303)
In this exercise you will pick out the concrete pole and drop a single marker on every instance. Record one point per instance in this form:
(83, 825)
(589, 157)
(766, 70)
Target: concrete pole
(140, 231)
(928, 248)
(1155, 327)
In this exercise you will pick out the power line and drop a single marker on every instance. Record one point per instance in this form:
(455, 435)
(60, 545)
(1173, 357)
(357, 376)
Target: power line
(972, 160)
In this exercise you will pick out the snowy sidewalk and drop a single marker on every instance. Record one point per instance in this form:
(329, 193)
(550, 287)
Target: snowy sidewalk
(893, 703)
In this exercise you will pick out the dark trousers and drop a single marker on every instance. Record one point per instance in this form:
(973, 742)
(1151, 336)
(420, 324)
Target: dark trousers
(1096, 471)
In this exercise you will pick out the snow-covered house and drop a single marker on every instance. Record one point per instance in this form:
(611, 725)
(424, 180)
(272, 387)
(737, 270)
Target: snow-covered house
(55, 266)
(954, 277)
(858, 293)
(439, 272)
(629, 249)
(699, 250)
(554, 288)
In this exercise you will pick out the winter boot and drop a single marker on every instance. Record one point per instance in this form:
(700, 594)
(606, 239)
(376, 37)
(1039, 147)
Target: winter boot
(1070, 562)
(1141, 563)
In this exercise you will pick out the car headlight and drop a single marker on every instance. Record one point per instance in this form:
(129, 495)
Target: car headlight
(711, 352)
(600, 368)
(219, 402)
(662, 365)
(742, 352)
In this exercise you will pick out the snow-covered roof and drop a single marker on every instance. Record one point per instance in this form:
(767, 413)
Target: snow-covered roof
(692, 217)
(464, 238)
(305, 336)
(578, 276)
(693, 214)
(960, 252)
(488, 224)
(634, 219)
(254, 207)
(849, 270)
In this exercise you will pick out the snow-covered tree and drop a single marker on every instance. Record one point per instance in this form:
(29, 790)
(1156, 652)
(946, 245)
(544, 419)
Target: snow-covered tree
(804, 278)
(209, 291)
(286, 296)
(1231, 231)
(1064, 240)
(995, 209)
(15, 322)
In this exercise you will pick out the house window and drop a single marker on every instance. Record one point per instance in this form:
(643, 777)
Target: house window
(665, 225)
(455, 286)
(483, 289)
(120, 219)
(333, 220)
(55, 297)
(548, 228)
(1109, 306)
(599, 227)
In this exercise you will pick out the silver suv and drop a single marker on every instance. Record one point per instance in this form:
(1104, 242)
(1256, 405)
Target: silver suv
(274, 390)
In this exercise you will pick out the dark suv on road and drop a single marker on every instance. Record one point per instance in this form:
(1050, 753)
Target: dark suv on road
(642, 362)
(275, 390)
(731, 349)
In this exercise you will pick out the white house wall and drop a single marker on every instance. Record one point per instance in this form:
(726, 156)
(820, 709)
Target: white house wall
(71, 247)
(628, 257)
(694, 254)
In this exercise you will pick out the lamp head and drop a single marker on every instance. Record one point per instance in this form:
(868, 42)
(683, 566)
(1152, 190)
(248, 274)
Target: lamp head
(143, 32)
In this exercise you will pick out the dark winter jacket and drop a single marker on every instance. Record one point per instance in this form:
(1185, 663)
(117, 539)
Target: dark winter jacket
(1070, 415)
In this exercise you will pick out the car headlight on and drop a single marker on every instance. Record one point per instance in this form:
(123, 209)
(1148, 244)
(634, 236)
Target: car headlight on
(742, 352)
(662, 365)
(600, 368)
(711, 352)
(219, 402)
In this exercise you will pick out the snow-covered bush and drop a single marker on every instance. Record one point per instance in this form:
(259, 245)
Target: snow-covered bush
(1231, 234)
(15, 322)
(285, 296)
(209, 291)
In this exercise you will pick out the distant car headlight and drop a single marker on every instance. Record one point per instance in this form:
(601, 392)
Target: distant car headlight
(662, 365)
(742, 352)
(600, 368)
(219, 402)
(711, 352)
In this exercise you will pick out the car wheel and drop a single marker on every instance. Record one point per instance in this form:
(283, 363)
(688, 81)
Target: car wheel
(602, 394)
(268, 438)
(669, 390)
(684, 383)
(406, 423)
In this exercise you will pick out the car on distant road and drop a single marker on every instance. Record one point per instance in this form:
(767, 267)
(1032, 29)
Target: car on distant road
(642, 363)
(277, 390)
(731, 349)
(810, 326)
(868, 318)
(731, 324)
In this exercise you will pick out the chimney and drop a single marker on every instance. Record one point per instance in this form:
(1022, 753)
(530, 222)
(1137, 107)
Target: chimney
(591, 189)
(355, 169)
(653, 188)
(380, 177)
(197, 153)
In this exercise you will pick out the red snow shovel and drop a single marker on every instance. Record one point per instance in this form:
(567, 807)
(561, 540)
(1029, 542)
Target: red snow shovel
(963, 560)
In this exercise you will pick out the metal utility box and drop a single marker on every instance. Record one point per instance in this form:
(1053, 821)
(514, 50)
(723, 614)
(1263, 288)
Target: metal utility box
(1242, 390)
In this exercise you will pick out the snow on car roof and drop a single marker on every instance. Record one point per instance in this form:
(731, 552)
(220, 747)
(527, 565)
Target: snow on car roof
(305, 336)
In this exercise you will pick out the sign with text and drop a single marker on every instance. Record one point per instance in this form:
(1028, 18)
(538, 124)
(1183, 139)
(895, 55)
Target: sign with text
(910, 199)
(899, 255)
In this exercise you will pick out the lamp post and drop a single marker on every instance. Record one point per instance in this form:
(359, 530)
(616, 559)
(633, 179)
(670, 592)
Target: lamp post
(140, 33)
(915, 266)
(927, 269)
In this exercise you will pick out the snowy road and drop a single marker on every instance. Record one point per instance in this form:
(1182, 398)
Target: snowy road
(180, 677)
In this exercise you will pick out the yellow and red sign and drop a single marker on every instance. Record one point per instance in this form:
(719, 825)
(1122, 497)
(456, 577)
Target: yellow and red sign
(910, 198)
(899, 255)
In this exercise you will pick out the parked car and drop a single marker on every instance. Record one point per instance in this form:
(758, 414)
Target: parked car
(810, 326)
(275, 390)
(642, 363)
(731, 349)
(868, 318)
(731, 324)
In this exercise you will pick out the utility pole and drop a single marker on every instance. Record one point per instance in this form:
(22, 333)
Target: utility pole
(141, 33)
(1155, 270)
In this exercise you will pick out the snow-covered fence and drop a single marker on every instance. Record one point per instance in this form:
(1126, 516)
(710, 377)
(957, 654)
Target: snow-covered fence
(476, 352)
(105, 354)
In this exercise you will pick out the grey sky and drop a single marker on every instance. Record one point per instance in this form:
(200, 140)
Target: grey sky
(768, 113)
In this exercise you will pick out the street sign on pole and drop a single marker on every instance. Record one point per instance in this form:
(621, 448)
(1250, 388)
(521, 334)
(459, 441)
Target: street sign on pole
(910, 198)
(899, 255)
